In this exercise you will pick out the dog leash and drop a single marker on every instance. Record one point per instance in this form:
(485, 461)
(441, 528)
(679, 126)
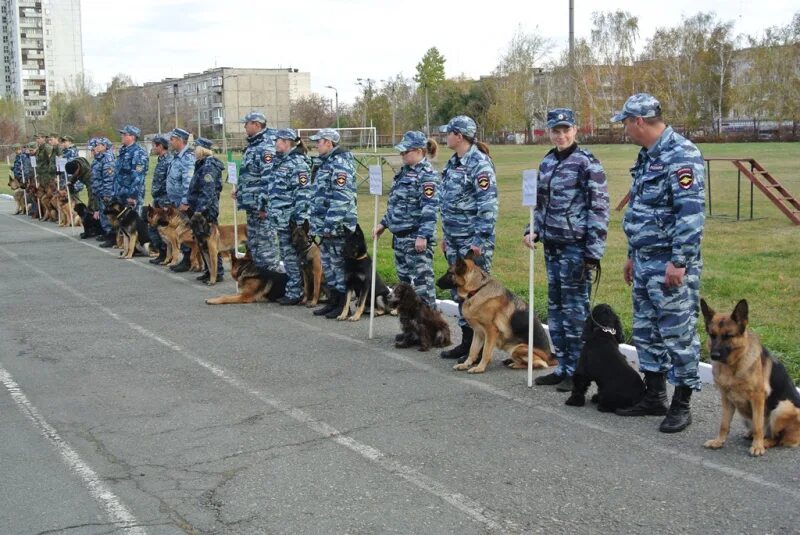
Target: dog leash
(605, 329)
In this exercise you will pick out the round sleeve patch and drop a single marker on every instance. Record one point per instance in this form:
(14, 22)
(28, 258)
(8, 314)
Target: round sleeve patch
(685, 177)
(483, 181)
(341, 179)
(267, 157)
(208, 178)
(302, 179)
(428, 190)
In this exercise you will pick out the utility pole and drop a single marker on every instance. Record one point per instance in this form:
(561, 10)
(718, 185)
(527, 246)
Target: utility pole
(158, 101)
(336, 93)
(572, 84)
(199, 133)
(175, 102)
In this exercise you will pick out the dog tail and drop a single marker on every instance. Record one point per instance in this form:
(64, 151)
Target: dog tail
(785, 416)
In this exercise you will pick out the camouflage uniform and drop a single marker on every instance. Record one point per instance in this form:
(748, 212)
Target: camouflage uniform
(103, 181)
(179, 172)
(335, 207)
(22, 169)
(55, 152)
(131, 169)
(257, 162)
(80, 171)
(43, 172)
(664, 223)
(287, 199)
(468, 202)
(571, 220)
(205, 188)
(411, 212)
(158, 189)
(70, 153)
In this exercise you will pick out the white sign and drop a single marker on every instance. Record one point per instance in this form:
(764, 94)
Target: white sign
(233, 176)
(33, 161)
(530, 178)
(375, 180)
(61, 164)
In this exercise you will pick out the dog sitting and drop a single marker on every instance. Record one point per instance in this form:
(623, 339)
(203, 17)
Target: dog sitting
(358, 277)
(132, 229)
(498, 317)
(18, 193)
(173, 226)
(254, 284)
(750, 380)
(310, 263)
(420, 323)
(618, 385)
(91, 226)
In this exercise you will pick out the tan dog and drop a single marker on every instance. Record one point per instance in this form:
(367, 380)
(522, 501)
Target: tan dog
(19, 194)
(310, 261)
(173, 226)
(213, 239)
(498, 318)
(750, 381)
(254, 284)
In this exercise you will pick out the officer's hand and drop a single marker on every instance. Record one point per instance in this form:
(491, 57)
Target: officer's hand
(183, 207)
(475, 250)
(420, 245)
(591, 263)
(377, 231)
(627, 271)
(131, 202)
(106, 200)
(673, 278)
(262, 215)
(96, 216)
(529, 240)
(233, 194)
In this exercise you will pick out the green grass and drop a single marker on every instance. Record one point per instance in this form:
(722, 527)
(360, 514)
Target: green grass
(758, 260)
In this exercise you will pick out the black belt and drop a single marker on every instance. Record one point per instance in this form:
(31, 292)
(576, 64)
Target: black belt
(404, 233)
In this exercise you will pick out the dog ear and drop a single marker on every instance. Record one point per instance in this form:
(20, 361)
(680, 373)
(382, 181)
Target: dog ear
(708, 312)
(359, 232)
(470, 255)
(739, 315)
(292, 225)
(306, 226)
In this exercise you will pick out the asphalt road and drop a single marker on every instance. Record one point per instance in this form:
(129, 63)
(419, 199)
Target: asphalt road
(128, 405)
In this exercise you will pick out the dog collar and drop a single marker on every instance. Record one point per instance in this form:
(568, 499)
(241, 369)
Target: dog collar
(476, 290)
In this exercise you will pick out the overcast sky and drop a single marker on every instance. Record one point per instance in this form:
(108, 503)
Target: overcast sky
(338, 41)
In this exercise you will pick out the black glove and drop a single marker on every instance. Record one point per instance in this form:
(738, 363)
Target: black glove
(591, 263)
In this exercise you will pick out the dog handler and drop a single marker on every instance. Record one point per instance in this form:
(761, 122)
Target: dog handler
(571, 220)
(469, 208)
(664, 225)
(203, 195)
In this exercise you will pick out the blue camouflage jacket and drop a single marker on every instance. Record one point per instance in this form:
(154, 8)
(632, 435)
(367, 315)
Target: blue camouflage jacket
(158, 187)
(103, 175)
(22, 168)
(131, 169)
(572, 201)
(179, 176)
(289, 191)
(667, 200)
(70, 153)
(413, 203)
(335, 204)
(469, 198)
(205, 188)
(257, 162)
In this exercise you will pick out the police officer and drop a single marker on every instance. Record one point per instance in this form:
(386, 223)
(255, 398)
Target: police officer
(131, 168)
(43, 173)
(55, 152)
(204, 190)
(68, 149)
(411, 212)
(257, 162)
(103, 186)
(469, 208)
(158, 192)
(664, 225)
(334, 210)
(288, 199)
(571, 220)
(79, 173)
(20, 172)
(179, 176)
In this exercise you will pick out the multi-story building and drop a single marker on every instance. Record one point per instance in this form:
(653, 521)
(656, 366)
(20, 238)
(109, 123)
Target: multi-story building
(42, 50)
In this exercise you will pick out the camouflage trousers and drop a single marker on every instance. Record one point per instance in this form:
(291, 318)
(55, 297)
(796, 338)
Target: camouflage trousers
(262, 241)
(665, 319)
(568, 289)
(458, 248)
(105, 224)
(331, 250)
(415, 268)
(291, 263)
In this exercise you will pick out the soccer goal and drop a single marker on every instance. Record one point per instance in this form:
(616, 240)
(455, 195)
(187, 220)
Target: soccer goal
(354, 138)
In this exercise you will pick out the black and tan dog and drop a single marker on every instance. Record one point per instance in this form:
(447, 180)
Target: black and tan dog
(130, 227)
(618, 384)
(173, 226)
(358, 277)
(421, 325)
(91, 226)
(498, 317)
(19, 194)
(254, 284)
(310, 263)
(750, 381)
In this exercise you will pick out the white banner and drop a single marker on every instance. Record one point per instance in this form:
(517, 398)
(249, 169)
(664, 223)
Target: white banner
(233, 174)
(33, 161)
(375, 180)
(530, 178)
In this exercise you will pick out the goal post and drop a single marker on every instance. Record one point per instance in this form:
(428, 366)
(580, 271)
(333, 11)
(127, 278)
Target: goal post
(352, 137)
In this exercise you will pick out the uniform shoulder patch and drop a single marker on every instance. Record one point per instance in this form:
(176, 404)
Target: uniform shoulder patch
(685, 177)
(302, 179)
(139, 168)
(429, 190)
(109, 171)
(483, 181)
(208, 178)
(267, 157)
(341, 179)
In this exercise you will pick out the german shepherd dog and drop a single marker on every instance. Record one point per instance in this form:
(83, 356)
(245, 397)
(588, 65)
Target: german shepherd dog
(91, 226)
(750, 381)
(618, 385)
(358, 277)
(18, 192)
(173, 225)
(68, 214)
(310, 263)
(420, 323)
(213, 240)
(498, 318)
(254, 284)
(131, 227)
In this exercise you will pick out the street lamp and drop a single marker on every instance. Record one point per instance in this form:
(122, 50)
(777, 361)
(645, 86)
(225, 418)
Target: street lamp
(336, 92)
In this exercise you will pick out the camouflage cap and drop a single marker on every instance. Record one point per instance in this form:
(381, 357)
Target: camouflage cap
(560, 117)
(639, 105)
(130, 130)
(181, 133)
(203, 142)
(326, 133)
(31, 145)
(255, 116)
(461, 124)
(39, 135)
(411, 140)
(69, 139)
(104, 141)
(287, 133)
(52, 134)
(160, 140)
(91, 143)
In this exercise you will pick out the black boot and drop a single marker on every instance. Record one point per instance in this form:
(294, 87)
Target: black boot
(182, 266)
(110, 240)
(162, 255)
(678, 416)
(289, 301)
(337, 310)
(333, 300)
(550, 379)
(654, 402)
(462, 349)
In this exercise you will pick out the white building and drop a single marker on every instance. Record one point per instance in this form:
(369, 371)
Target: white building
(42, 50)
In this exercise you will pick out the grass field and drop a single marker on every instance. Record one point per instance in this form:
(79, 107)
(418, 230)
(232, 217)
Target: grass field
(758, 260)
